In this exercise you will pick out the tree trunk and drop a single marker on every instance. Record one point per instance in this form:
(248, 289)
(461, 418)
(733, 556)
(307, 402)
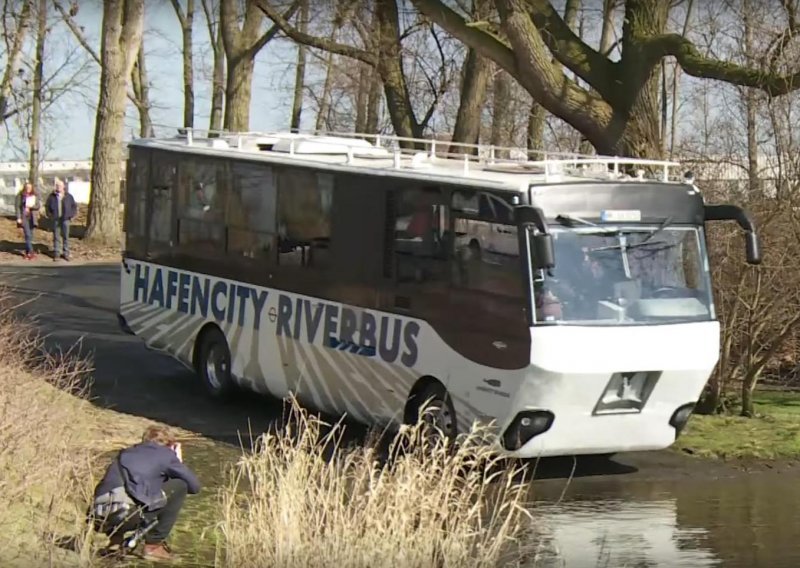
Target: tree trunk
(374, 103)
(390, 68)
(501, 112)
(238, 92)
(475, 79)
(38, 77)
(325, 98)
(188, 66)
(241, 44)
(362, 98)
(535, 138)
(607, 28)
(300, 70)
(217, 84)
(141, 90)
(120, 40)
(13, 57)
(751, 105)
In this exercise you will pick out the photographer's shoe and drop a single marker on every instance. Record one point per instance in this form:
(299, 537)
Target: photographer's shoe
(157, 551)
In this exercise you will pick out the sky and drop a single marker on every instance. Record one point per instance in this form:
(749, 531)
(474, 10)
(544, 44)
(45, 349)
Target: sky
(71, 128)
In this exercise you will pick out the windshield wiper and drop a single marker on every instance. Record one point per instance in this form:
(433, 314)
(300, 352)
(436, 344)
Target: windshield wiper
(645, 241)
(654, 232)
(618, 246)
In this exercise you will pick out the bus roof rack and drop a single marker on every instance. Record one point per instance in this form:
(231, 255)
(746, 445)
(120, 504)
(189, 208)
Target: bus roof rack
(415, 153)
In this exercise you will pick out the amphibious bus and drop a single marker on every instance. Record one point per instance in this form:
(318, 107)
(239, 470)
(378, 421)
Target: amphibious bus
(564, 301)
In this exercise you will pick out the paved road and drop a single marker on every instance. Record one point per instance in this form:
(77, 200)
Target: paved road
(73, 303)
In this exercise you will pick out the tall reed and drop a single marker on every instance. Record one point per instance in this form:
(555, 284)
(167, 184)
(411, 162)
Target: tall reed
(429, 504)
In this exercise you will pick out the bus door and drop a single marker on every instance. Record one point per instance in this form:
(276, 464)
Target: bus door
(487, 298)
(417, 255)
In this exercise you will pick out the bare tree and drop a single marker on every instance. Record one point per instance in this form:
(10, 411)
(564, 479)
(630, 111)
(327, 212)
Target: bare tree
(383, 51)
(300, 71)
(241, 46)
(141, 93)
(15, 38)
(218, 73)
(121, 37)
(186, 19)
(474, 83)
(619, 111)
(38, 80)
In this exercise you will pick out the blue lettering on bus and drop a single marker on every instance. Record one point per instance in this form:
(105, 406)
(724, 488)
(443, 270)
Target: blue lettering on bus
(392, 339)
(191, 294)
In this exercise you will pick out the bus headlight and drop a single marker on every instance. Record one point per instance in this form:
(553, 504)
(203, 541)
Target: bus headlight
(680, 417)
(525, 426)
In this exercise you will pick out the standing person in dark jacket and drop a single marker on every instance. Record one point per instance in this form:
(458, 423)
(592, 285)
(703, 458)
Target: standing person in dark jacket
(155, 478)
(27, 206)
(61, 209)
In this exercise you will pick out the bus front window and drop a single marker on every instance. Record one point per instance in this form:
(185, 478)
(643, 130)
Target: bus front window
(625, 275)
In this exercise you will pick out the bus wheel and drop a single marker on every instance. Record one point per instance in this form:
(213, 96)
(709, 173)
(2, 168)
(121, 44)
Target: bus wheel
(435, 411)
(214, 364)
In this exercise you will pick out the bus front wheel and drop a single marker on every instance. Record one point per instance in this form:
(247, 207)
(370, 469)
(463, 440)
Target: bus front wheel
(435, 411)
(214, 363)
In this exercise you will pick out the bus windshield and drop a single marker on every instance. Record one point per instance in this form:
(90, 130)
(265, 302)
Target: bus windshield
(625, 275)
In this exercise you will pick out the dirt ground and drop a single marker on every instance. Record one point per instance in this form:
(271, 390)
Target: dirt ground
(12, 242)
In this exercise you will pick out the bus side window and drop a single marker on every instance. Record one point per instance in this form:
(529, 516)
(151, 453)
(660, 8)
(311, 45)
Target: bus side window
(420, 236)
(162, 184)
(136, 189)
(305, 200)
(251, 212)
(201, 204)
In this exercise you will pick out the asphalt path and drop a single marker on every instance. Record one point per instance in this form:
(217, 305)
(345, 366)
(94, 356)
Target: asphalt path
(75, 306)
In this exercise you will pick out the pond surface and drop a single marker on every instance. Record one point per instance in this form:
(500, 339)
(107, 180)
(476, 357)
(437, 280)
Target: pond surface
(750, 521)
(614, 521)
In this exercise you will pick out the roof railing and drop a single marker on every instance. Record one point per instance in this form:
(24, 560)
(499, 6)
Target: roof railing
(437, 148)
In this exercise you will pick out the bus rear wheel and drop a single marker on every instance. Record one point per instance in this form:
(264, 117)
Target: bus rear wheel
(436, 413)
(214, 364)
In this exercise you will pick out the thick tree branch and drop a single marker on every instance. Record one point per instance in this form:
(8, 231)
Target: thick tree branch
(314, 41)
(697, 65)
(471, 34)
(569, 49)
(274, 29)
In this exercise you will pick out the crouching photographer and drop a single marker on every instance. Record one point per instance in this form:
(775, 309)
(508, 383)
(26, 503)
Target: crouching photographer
(143, 490)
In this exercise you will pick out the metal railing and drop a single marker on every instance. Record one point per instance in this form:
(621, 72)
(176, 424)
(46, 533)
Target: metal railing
(416, 153)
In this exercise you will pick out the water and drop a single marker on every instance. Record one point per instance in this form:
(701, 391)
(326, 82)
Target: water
(745, 522)
(613, 521)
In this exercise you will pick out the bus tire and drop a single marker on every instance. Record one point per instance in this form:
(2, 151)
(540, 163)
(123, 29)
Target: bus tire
(214, 364)
(439, 411)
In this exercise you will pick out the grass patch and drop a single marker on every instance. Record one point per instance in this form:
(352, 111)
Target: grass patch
(773, 434)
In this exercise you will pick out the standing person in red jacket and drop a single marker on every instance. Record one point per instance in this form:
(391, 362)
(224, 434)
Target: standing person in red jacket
(28, 205)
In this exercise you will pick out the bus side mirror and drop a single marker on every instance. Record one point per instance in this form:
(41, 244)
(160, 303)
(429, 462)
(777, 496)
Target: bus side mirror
(735, 213)
(544, 255)
(542, 248)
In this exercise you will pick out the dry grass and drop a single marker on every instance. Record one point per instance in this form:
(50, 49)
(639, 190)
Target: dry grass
(44, 456)
(433, 505)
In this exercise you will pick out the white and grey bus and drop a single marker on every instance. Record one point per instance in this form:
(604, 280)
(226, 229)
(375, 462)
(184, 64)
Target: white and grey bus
(563, 300)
